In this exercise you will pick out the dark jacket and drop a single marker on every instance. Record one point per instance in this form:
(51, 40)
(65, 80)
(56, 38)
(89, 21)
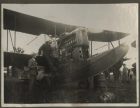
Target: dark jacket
(45, 49)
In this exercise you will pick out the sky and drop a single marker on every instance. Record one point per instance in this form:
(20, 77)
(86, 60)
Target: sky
(115, 17)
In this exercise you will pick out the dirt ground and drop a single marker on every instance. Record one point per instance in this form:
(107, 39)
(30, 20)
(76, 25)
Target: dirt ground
(120, 93)
(124, 92)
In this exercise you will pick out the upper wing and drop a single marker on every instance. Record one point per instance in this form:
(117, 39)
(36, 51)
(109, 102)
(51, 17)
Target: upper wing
(33, 25)
(106, 36)
(36, 26)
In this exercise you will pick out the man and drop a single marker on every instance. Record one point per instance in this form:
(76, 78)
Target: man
(45, 78)
(46, 51)
(32, 65)
(125, 73)
(43, 84)
(131, 74)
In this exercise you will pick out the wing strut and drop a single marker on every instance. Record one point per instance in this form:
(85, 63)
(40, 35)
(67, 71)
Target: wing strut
(119, 42)
(108, 45)
(15, 39)
(55, 30)
(11, 41)
(31, 41)
(7, 40)
(112, 44)
(15, 32)
(91, 48)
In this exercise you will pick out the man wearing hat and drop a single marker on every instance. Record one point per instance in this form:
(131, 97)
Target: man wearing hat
(46, 51)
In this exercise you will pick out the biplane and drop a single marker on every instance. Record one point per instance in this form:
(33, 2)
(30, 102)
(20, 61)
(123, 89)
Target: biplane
(75, 62)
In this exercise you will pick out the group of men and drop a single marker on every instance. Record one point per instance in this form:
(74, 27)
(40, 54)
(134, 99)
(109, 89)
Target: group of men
(126, 74)
(46, 52)
(123, 74)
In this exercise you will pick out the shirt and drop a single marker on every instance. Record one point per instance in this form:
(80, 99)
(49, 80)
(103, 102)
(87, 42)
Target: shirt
(32, 63)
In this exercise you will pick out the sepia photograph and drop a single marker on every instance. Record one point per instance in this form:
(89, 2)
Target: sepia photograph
(69, 55)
